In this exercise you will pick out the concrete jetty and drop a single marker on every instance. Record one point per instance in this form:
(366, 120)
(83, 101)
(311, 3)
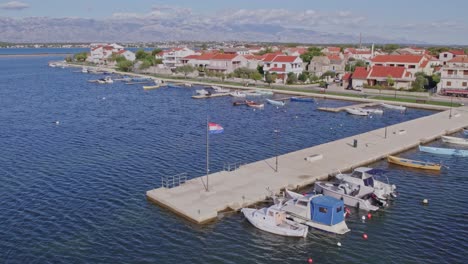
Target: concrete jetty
(254, 182)
(342, 108)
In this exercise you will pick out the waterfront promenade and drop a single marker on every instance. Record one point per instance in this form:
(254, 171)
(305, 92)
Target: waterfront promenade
(253, 183)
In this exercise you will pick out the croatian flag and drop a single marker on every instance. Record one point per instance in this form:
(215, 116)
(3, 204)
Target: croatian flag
(215, 128)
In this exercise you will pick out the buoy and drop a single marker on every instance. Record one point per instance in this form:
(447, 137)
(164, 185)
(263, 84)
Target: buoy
(363, 218)
(104, 98)
(338, 244)
(57, 122)
(425, 201)
(369, 215)
(310, 260)
(364, 236)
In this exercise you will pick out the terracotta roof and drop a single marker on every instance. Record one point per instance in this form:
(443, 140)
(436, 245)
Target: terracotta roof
(333, 49)
(424, 63)
(190, 57)
(385, 71)
(221, 56)
(347, 76)
(360, 73)
(334, 57)
(270, 56)
(457, 52)
(206, 56)
(398, 58)
(252, 57)
(284, 58)
(463, 59)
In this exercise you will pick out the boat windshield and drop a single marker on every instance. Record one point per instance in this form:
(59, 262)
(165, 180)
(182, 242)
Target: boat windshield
(369, 182)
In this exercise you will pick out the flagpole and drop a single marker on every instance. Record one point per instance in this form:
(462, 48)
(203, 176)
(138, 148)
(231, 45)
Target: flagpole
(207, 152)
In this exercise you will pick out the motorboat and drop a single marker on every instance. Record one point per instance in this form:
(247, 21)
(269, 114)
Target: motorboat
(425, 165)
(455, 140)
(202, 92)
(318, 211)
(275, 103)
(395, 107)
(150, 87)
(255, 105)
(302, 99)
(353, 195)
(272, 219)
(444, 151)
(218, 89)
(108, 79)
(372, 110)
(368, 177)
(238, 94)
(187, 84)
(356, 111)
(84, 70)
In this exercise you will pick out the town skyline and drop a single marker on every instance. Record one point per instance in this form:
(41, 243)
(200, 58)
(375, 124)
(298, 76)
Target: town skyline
(303, 22)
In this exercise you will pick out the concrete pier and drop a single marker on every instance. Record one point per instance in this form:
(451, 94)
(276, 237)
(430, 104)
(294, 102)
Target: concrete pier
(254, 182)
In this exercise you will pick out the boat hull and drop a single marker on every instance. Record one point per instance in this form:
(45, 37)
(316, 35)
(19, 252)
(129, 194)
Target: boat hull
(444, 151)
(151, 87)
(275, 103)
(301, 230)
(414, 163)
(396, 107)
(321, 187)
(357, 112)
(455, 140)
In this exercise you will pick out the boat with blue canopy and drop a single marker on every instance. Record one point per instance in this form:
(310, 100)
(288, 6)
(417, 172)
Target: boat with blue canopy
(444, 151)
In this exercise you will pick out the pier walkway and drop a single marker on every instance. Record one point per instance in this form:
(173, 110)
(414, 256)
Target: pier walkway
(254, 182)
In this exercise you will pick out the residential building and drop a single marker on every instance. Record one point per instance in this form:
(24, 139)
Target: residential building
(331, 50)
(412, 63)
(298, 51)
(226, 63)
(358, 54)
(454, 75)
(322, 64)
(128, 55)
(359, 77)
(238, 51)
(282, 65)
(379, 75)
(446, 56)
(172, 58)
(101, 52)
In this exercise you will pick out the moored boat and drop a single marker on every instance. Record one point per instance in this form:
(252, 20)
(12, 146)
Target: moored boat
(444, 151)
(302, 99)
(202, 92)
(356, 111)
(425, 165)
(84, 70)
(455, 140)
(150, 87)
(245, 102)
(238, 94)
(271, 219)
(255, 105)
(317, 211)
(219, 89)
(275, 103)
(396, 107)
(372, 110)
(266, 93)
(187, 84)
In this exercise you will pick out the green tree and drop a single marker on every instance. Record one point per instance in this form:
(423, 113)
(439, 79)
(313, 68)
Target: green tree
(68, 59)
(419, 83)
(260, 70)
(141, 54)
(81, 57)
(292, 78)
(436, 78)
(328, 74)
(435, 51)
(311, 52)
(256, 76)
(155, 51)
(145, 65)
(390, 81)
(186, 69)
(244, 72)
(158, 61)
(270, 78)
(304, 76)
(125, 65)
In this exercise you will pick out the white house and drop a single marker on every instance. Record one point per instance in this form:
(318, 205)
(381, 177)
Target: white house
(127, 54)
(226, 63)
(412, 63)
(100, 52)
(446, 56)
(282, 65)
(172, 58)
(454, 74)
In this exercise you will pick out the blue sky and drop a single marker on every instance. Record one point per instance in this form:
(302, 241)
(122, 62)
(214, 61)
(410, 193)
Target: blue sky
(428, 20)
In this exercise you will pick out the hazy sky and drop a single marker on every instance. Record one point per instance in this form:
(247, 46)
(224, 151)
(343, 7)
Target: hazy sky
(425, 20)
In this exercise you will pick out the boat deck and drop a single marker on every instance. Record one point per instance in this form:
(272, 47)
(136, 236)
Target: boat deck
(254, 182)
(342, 108)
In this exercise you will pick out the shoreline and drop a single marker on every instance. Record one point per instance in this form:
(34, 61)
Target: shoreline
(35, 55)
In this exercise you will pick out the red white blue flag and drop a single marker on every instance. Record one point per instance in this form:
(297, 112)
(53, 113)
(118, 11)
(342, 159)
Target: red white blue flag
(214, 128)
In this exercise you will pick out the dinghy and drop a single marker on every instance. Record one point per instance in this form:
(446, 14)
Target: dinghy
(425, 165)
(255, 105)
(444, 151)
(317, 211)
(455, 140)
(372, 110)
(275, 103)
(271, 219)
(302, 99)
(395, 107)
(356, 111)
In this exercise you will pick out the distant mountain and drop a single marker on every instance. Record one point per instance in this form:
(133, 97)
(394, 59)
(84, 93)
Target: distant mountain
(44, 29)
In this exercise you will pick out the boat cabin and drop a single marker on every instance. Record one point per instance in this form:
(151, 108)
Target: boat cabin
(327, 210)
(366, 175)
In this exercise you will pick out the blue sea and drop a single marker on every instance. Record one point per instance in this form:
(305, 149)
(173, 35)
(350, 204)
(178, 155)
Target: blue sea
(76, 159)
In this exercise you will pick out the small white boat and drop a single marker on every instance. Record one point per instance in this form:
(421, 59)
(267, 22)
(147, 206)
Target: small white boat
(275, 103)
(53, 65)
(187, 84)
(256, 105)
(271, 219)
(356, 111)
(372, 110)
(317, 211)
(108, 79)
(266, 93)
(219, 89)
(353, 195)
(367, 177)
(455, 140)
(396, 107)
(444, 151)
(84, 70)
(202, 92)
(238, 94)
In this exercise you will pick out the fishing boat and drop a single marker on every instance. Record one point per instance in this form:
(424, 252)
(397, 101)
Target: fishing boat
(455, 140)
(255, 105)
(272, 219)
(425, 165)
(395, 107)
(353, 195)
(275, 103)
(368, 177)
(318, 211)
(237, 94)
(219, 89)
(356, 111)
(444, 151)
(372, 110)
(302, 99)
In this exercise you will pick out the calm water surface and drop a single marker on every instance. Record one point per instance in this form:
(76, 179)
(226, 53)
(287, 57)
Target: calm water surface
(75, 192)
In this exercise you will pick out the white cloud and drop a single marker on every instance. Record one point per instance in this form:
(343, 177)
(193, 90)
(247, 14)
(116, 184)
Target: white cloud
(14, 5)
